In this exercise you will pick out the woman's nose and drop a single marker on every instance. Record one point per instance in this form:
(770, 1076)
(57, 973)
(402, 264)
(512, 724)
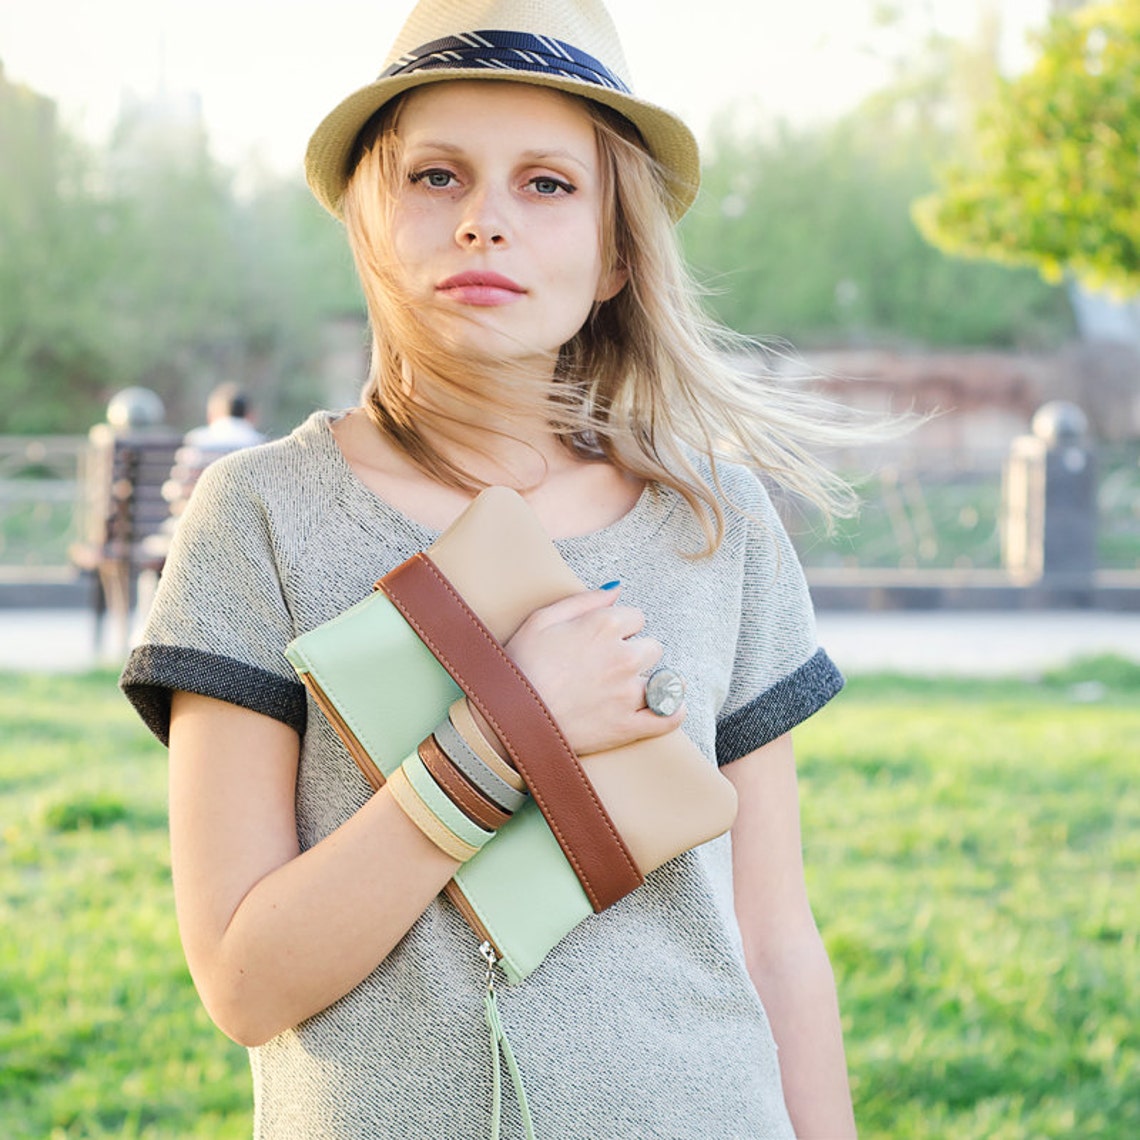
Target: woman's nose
(483, 223)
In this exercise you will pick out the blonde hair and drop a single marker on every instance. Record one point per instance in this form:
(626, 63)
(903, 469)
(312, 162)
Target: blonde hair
(643, 384)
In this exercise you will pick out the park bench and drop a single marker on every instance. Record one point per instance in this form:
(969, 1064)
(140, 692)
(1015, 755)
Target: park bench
(122, 518)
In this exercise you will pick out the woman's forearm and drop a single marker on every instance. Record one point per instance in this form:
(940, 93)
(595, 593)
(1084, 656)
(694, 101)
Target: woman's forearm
(785, 955)
(273, 935)
(798, 992)
(315, 927)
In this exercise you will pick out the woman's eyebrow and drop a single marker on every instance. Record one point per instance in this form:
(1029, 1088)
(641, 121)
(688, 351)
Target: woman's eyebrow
(537, 154)
(432, 144)
(556, 154)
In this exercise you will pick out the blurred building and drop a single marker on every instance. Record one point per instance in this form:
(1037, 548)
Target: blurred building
(29, 134)
(166, 127)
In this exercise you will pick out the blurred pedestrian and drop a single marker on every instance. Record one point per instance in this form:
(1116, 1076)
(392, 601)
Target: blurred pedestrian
(229, 427)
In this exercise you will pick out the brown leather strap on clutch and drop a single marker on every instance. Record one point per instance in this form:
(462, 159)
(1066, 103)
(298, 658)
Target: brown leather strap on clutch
(496, 687)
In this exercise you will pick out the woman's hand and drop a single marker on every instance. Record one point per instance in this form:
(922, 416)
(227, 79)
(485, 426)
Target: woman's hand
(584, 657)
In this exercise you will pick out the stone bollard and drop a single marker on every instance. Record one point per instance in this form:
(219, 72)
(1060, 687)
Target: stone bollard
(1049, 519)
(135, 409)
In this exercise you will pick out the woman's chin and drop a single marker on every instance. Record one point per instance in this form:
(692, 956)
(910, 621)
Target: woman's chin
(480, 338)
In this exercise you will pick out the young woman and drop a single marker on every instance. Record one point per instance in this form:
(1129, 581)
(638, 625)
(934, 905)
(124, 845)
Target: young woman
(510, 208)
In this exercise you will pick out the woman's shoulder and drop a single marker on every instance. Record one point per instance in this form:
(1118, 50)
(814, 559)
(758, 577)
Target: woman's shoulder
(307, 451)
(281, 488)
(740, 490)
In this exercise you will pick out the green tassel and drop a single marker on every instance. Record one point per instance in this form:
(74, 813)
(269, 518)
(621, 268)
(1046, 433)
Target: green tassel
(499, 1043)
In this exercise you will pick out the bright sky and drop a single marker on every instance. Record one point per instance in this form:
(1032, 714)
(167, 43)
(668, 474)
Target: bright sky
(267, 70)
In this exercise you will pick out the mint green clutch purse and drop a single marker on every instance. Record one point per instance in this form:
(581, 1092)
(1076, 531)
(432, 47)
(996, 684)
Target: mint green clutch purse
(383, 691)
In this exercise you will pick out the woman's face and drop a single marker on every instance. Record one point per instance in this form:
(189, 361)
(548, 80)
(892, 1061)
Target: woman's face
(497, 216)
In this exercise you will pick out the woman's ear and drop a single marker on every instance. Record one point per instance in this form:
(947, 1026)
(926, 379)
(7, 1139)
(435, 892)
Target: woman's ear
(611, 284)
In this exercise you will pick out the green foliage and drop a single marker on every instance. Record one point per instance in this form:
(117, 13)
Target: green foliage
(1052, 180)
(973, 859)
(88, 810)
(51, 250)
(807, 234)
(1097, 676)
(146, 265)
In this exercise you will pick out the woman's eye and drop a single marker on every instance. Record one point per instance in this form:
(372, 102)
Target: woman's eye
(551, 186)
(436, 179)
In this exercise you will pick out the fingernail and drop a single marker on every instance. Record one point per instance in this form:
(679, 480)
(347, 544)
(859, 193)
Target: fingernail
(610, 585)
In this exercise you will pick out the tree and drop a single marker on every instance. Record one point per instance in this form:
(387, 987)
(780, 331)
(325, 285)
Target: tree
(806, 234)
(142, 264)
(1051, 180)
(52, 242)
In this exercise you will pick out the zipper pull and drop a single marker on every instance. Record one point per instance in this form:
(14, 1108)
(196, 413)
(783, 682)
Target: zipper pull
(499, 1042)
(487, 952)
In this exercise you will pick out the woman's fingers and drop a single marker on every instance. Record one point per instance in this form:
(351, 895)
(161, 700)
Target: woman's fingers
(574, 605)
(647, 723)
(588, 661)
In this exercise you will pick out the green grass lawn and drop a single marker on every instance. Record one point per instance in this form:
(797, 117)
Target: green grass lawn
(101, 1033)
(974, 857)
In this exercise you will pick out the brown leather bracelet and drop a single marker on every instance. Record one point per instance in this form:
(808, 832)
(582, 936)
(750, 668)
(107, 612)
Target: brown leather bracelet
(512, 707)
(469, 800)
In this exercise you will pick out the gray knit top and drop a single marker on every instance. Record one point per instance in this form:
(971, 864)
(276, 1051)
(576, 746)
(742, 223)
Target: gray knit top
(643, 1023)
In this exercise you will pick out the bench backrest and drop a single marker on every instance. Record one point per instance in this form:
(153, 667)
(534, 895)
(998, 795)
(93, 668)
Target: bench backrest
(124, 480)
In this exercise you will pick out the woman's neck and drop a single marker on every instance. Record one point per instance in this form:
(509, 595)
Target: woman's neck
(509, 452)
(571, 495)
(507, 440)
(502, 451)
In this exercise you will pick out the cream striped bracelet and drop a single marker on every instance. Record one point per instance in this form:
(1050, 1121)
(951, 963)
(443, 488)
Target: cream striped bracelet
(464, 723)
(432, 811)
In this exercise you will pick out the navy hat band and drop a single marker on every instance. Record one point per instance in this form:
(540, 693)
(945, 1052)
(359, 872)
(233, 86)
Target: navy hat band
(507, 51)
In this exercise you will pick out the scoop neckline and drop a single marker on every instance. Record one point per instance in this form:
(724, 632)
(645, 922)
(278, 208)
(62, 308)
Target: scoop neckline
(649, 511)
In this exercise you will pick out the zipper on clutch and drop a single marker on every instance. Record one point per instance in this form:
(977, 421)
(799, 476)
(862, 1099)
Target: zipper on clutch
(364, 762)
(463, 905)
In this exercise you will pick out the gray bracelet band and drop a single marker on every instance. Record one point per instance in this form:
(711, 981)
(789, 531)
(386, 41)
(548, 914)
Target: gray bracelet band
(468, 762)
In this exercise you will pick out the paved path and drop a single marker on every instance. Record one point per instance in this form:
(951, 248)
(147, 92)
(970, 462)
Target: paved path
(974, 643)
(969, 643)
(51, 641)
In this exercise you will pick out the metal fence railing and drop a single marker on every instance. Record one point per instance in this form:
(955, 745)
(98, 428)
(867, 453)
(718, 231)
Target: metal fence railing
(1118, 507)
(942, 510)
(927, 509)
(40, 493)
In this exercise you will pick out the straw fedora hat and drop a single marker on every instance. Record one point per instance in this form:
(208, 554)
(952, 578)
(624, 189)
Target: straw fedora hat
(570, 45)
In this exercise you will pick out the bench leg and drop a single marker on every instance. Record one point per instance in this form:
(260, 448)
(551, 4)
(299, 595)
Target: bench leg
(98, 611)
(145, 586)
(116, 580)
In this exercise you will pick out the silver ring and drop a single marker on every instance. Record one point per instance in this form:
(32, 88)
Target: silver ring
(664, 691)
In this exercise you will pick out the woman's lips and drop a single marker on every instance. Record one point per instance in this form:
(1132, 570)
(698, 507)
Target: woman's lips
(476, 288)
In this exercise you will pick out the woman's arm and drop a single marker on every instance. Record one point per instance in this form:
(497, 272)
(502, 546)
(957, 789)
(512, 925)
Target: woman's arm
(785, 954)
(273, 936)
